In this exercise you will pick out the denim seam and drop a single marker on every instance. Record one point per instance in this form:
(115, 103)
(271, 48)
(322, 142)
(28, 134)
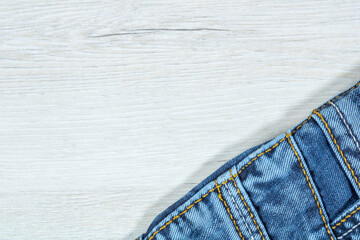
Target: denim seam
(346, 218)
(228, 210)
(346, 125)
(352, 229)
(337, 146)
(240, 212)
(246, 205)
(346, 163)
(310, 186)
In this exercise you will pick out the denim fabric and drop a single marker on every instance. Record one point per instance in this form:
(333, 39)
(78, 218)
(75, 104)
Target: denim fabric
(303, 184)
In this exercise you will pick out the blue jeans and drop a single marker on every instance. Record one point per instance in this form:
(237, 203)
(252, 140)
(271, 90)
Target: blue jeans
(303, 184)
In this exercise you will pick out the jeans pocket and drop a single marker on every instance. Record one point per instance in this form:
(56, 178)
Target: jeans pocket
(340, 123)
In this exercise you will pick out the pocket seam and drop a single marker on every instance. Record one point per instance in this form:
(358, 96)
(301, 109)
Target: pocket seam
(345, 218)
(337, 146)
(310, 186)
(349, 231)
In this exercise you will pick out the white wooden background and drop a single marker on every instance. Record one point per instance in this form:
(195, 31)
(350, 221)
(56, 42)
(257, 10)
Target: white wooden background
(112, 110)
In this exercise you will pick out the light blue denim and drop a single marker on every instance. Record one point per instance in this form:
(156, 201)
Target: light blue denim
(303, 184)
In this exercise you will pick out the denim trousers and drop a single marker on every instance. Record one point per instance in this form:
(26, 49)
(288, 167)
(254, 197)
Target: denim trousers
(303, 184)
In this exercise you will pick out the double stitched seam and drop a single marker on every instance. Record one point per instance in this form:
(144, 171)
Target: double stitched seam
(245, 204)
(310, 186)
(228, 210)
(358, 147)
(338, 147)
(352, 229)
(341, 153)
(238, 209)
(346, 125)
(345, 218)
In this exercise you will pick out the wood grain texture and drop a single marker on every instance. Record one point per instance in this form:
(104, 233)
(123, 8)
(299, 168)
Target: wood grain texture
(112, 110)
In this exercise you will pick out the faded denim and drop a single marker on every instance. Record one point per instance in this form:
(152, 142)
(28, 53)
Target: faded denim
(303, 184)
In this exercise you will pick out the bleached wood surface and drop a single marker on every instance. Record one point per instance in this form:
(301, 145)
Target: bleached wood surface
(112, 110)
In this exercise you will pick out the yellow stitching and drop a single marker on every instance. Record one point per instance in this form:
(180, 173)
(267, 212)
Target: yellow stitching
(344, 219)
(338, 147)
(228, 210)
(211, 190)
(345, 160)
(247, 207)
(312, 190)
(273, 147)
